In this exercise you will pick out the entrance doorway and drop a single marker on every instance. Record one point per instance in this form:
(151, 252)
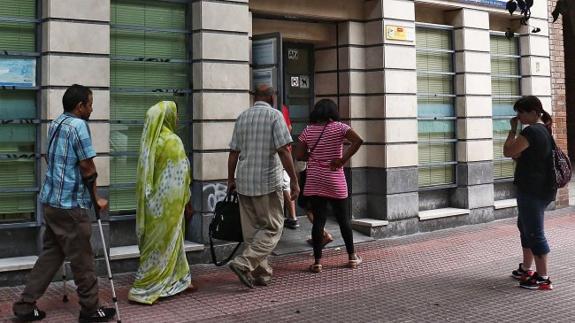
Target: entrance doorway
(298, 91)
(289, 67)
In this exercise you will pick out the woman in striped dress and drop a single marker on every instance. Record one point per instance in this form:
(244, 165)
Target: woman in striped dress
(325, 183)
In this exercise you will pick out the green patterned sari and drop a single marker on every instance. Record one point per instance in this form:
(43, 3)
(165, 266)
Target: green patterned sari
(162, 192)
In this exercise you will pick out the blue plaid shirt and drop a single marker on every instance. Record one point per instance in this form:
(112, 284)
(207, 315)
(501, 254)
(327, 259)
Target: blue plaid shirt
(63, 187)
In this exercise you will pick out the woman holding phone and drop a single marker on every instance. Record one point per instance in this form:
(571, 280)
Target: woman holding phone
(532, 150)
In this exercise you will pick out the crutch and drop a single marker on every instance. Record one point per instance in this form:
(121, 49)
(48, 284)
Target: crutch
(89, 182)
(65, 297)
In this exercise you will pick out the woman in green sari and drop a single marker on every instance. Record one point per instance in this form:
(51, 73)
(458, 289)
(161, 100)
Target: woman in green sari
(163, 194)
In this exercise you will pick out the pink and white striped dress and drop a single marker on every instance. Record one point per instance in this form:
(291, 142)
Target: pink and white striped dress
(320, 180)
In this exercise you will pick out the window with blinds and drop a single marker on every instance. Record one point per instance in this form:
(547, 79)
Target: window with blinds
(505, 83)
(436, 116)
(149, 63)
(19, 120)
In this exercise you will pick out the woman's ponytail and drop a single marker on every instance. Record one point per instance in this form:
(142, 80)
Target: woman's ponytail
(546, 118)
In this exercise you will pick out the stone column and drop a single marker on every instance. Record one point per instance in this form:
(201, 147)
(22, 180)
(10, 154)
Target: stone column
(390, 111)
(474, 111)
(352, 96)
(535, 57)
(536, 69)
(76, 49)
(221, 83)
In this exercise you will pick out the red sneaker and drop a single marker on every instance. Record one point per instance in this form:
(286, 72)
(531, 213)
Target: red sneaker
(535, 282)
(521, 274)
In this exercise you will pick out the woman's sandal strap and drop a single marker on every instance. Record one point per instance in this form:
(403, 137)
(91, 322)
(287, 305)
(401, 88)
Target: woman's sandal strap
(315, 268)
(355, 262)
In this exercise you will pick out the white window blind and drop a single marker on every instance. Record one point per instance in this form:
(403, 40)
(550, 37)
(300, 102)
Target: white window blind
(435, 107)
(19, 120)
(149, 63)
(505, 82)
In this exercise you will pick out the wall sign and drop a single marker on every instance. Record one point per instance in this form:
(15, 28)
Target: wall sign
(18, 72)
(294, 81)
(304, 82)
(293, 54)
(400, 33)
(486, 3)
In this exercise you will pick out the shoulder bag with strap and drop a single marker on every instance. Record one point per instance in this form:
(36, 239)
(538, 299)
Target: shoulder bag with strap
(53, 137)
(561, 168)
(310, 150)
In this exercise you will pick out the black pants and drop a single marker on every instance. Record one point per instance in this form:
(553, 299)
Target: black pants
(319, 208)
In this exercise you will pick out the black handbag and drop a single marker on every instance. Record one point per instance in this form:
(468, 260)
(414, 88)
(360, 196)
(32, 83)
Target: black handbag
(226, 225)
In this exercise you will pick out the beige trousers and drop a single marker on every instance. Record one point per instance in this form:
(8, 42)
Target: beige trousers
(262, 225)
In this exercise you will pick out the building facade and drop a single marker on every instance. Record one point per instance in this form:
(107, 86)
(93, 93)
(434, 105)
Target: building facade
(428, 84)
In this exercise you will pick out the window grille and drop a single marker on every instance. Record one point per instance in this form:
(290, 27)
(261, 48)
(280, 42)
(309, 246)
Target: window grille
(505, 87)
(150, 62)
(19, 119)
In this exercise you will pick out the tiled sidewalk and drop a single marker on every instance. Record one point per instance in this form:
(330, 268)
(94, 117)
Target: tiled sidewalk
(457, 275)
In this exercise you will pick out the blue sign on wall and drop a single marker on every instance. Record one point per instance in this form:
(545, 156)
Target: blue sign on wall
(488, 3)
(19, 72)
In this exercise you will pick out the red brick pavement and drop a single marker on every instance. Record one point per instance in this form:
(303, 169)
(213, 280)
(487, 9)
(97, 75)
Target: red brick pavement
(452, 275)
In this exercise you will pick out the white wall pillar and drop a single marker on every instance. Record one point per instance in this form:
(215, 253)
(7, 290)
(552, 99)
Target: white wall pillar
(221, 84)
(535, 63)
(474, 110)
(76, 49)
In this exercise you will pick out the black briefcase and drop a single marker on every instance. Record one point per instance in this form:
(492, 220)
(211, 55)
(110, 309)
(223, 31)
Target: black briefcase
(226, 225)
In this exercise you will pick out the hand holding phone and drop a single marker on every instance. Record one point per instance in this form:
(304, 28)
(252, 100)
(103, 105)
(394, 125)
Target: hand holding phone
(514, 122)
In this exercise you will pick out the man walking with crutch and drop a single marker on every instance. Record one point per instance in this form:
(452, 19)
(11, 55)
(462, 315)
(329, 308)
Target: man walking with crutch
(67, 203)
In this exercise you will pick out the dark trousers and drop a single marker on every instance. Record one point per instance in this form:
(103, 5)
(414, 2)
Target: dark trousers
(319, 206)
(67, 235)
(530, 219)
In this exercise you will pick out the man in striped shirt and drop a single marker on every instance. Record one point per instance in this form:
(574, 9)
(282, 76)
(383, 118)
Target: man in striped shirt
(66, 204)
(259, 153)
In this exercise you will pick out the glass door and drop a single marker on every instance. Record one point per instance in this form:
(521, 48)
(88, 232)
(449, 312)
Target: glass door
(267, 63)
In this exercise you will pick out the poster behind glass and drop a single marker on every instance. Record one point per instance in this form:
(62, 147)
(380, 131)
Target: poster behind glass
(18, 72)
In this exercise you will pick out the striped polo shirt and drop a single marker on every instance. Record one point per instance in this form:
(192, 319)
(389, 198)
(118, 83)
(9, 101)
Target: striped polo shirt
(258, 133)
(69, 143)
(320, 180)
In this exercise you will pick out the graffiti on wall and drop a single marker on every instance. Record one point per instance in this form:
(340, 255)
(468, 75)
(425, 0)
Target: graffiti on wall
(214, 193)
